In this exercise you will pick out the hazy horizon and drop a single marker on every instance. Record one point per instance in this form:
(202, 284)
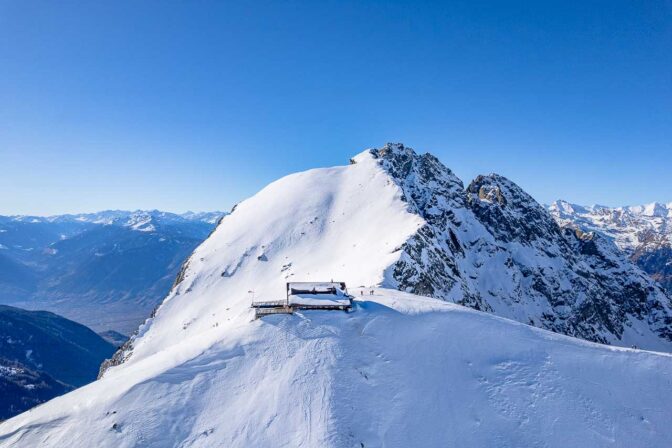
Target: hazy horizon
(92, 212)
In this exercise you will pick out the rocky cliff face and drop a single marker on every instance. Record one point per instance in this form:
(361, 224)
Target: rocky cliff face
(492, 247)
(643, 232)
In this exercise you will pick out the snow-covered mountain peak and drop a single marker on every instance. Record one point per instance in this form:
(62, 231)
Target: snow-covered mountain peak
(509, 212)
(141, 221)
(643, 232)
(208, 217)
(405, 165)
(428, 187)
(497, 189)
(563, 207)
(202, 372)
(654, 209)
(343, 223)
(489, 190)
(398, 219)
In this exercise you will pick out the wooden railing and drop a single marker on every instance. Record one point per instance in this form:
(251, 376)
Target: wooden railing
(259, 312)
(269, 304)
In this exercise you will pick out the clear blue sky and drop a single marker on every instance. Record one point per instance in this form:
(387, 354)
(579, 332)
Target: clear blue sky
(196, 105)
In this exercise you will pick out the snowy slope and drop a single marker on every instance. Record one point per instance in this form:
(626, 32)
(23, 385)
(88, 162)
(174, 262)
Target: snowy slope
(644, 232)
(402, 370)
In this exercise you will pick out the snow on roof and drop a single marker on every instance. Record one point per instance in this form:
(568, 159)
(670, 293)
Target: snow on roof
(317, 293)
(318, 286)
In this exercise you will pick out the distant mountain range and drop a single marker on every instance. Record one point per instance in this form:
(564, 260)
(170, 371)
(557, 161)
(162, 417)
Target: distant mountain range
(107, 270)
(43, 355)
(643, 232)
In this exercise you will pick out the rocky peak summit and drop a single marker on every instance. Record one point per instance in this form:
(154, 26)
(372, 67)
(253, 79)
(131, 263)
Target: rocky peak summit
(492, 247)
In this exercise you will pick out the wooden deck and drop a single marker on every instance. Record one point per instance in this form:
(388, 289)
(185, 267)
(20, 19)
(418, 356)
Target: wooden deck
(261, 312)
(269, 304)
(267, 308)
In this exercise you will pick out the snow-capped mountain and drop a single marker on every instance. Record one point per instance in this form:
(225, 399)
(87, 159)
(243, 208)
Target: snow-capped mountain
(644, 232)
(402, 369)
(107, 270)
(120, 217)
(493, 247)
